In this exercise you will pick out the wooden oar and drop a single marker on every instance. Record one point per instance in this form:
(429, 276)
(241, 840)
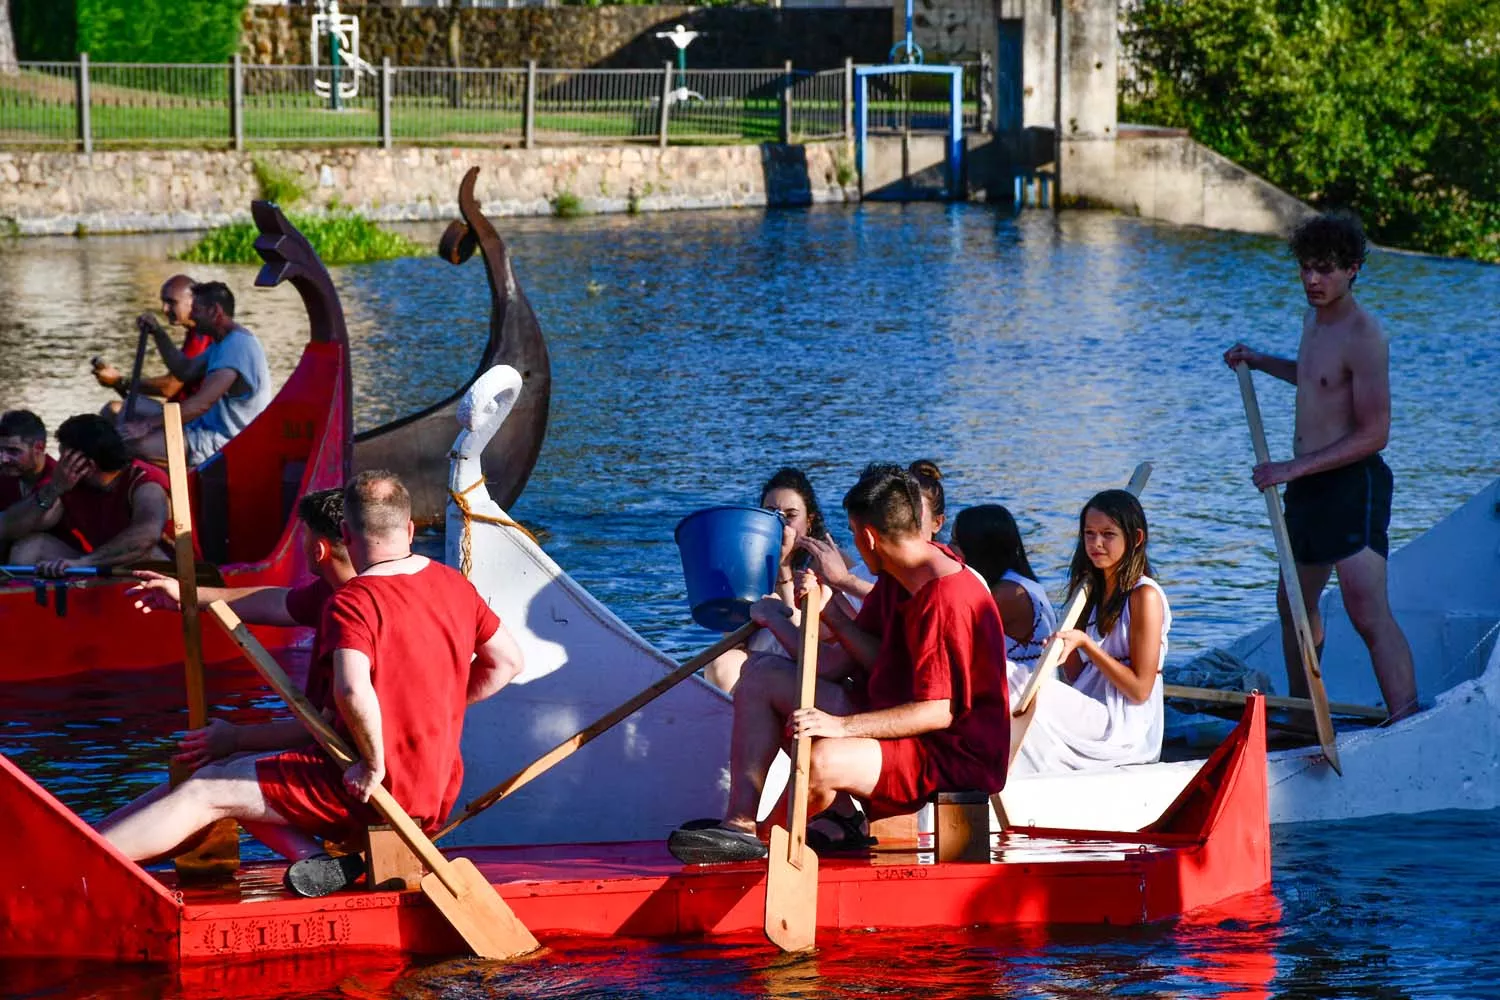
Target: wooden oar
(469, 903)
(133, 388)
(598, 728)
(219, 852)
(792, 875)
(1289, 579)
(1222, 697)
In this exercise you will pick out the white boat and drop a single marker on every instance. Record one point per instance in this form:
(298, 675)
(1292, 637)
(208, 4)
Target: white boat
(668, 762)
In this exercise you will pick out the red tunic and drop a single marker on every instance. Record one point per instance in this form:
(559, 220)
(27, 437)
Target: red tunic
(91, 516)
(193, 344)
(944, 642)
(420, 631)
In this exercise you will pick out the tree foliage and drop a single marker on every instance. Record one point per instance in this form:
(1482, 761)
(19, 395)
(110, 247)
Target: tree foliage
(1390, 107)
(167, 31)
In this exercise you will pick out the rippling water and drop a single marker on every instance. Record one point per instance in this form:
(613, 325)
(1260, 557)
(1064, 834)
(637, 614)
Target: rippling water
(1037, 361)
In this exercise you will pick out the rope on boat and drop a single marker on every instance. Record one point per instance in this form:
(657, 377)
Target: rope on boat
(466, 545)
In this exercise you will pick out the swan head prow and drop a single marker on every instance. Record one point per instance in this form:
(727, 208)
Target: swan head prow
(488, 402)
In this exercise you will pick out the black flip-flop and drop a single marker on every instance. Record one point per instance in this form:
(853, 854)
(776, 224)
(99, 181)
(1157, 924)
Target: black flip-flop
(714, 845)
(851, 838)
(321, 875)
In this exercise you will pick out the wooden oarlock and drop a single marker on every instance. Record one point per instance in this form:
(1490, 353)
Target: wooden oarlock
(1052, 657)
(1289, 579)
(598, 728)
(792, 872)
(467, 901)
(218, 853)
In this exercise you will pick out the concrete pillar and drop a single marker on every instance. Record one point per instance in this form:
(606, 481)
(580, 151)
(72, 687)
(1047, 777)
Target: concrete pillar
(1090, 85)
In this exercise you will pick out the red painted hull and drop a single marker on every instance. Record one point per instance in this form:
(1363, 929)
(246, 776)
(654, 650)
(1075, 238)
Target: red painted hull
(71, 895)
(301, 442)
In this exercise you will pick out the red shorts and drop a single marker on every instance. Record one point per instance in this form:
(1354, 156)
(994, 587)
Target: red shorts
(307, 790)
(907, 778)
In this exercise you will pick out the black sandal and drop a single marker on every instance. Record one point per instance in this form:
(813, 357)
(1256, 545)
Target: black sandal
(693, 844)
(321, 875)
(851, 837)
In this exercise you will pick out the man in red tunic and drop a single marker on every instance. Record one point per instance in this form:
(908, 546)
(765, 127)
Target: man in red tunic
(412, 645)
(930, 714)
(97, 508)
(24, 466)
(178, 384)
(322, 515)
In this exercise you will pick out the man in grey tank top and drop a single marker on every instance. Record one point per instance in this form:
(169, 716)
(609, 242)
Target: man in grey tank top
(236, 383)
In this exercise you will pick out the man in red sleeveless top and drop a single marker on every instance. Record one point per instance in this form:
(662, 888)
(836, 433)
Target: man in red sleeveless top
(24, 466)
(322, 515)
(931, 713)
(178, 384)
(412, 644)
(113, 511)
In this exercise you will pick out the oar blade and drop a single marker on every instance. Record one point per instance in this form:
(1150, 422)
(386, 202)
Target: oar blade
(791, 895)
(488, 926)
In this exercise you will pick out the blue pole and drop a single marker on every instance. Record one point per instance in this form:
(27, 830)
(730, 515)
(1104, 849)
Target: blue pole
(955, 132)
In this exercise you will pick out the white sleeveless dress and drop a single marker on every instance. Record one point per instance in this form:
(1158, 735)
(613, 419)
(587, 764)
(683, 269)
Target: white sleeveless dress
(1021, 658)
(1092, 724)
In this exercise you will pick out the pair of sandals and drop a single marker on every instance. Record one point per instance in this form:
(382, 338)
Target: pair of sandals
(708, 841)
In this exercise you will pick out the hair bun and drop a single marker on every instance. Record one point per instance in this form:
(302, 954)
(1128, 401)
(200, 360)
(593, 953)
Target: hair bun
(926, 468)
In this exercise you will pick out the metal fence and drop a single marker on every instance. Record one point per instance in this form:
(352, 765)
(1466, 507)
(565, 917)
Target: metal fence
(82, 105)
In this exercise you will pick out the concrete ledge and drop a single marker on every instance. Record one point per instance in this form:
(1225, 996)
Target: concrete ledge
(1165, 174)
(158, 190)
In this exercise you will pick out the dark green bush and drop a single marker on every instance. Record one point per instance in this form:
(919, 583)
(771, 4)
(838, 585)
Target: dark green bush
(156, 31)
(1389, 107)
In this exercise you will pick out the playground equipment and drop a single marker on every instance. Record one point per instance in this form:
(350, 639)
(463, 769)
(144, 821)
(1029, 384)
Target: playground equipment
(681, 38)
(338, 35)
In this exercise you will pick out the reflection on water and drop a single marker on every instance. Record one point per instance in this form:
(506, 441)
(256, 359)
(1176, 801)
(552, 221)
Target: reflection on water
(1036, 361)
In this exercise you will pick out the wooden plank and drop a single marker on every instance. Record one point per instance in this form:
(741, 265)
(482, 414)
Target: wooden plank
(792, 873)
(218, 853)
(470, 904)
(1290, 581)
(598, 728)
(1221, 697)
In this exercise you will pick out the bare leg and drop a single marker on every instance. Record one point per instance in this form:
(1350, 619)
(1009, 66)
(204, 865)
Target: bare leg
(41, 548)
(840, 766)
(1362, 582)
(724, 672)
(765, 696)
(225, 789)
(1313, 579)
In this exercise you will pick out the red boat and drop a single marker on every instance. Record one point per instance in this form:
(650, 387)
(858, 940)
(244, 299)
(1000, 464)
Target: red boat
(244, 502)
(71, 895)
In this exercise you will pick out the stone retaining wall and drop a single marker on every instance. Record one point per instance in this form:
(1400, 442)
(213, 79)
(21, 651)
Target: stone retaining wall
(49, 193)
(619, 37)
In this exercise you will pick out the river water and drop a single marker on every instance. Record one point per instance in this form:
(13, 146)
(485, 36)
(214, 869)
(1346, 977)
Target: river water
(1036, 360)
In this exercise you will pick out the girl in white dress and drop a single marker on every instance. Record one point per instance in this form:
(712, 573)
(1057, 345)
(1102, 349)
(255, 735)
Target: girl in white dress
(986, 537)
(1112, 712)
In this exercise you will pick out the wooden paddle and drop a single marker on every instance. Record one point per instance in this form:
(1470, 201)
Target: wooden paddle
(792, 875)
(1222, 697)
(598, 728)
(1289, 579)
(469, 903)
(218, 853)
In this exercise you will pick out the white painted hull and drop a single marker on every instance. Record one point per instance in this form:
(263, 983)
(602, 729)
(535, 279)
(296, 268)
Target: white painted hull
(1445, 589)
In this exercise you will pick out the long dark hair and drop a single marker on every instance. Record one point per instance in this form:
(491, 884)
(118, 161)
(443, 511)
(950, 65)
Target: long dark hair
(789, 478)
(990, 542)
(930, 478)
(1121, 507)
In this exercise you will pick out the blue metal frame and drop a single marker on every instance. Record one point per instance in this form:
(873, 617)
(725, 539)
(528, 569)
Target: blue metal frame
(955, 76)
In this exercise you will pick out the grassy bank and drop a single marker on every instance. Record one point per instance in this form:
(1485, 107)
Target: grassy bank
(342, 238)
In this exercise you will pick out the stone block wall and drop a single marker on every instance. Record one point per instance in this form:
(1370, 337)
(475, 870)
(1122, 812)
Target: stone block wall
(620, 37)
(57, 193)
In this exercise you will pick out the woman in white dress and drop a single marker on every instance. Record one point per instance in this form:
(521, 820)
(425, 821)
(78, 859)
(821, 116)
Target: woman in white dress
(1112, 712)
(987, 539)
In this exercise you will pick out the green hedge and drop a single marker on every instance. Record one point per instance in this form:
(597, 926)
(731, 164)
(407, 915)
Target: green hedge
(1390, 107)
(136, 31)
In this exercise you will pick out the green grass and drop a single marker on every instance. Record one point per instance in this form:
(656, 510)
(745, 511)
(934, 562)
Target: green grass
(344, 238)
(277, 183)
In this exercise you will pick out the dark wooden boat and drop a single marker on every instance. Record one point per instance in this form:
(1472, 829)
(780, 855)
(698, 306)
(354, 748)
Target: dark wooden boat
(416, 446)
(70, 894)
(244, 502)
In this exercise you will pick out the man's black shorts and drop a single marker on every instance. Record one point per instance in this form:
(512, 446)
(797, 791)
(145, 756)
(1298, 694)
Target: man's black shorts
(1332, 515)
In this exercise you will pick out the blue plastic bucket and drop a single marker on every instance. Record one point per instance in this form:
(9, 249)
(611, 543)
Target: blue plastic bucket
(729, 560)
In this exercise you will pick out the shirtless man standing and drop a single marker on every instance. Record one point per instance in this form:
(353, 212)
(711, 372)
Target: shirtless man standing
(1338, 495)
